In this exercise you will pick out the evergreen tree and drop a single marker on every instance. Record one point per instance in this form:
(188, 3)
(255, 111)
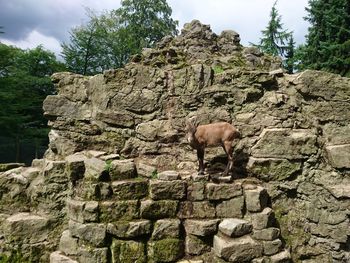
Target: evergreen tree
(290, 57)
(328, 41)
(274, 37)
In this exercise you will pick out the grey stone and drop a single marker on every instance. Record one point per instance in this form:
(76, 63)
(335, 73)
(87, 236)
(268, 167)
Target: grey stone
(145, 170)
(94, 234)
(95, 169)
(26, 227)
(59, 257)
(158, 209)
(75, 167)
(75, 210)
(93, 255)
(256, 199)
(122, 169)
(132, 189)
(282, 257)
(112, 211)
(168, 175)
(276, 142)
(68, 244)
(272, 247)
(237, 250)
(196, 191)
(339, 155)
(272, 169)
(201, 227)
(267, 234)
(264, 219)
(175, 189)
(194, 245)
(199, 209)
(91, 211)
(231, 208)
(130, 230)
(234, 227)
(166, 228)
(223, 191)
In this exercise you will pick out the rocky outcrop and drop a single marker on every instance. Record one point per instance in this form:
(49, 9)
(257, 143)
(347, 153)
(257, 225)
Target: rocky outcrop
(294, 152)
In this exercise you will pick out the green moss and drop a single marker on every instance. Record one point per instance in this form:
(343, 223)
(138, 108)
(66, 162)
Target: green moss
(108, 165)
(166, 250)
(14, 257)
(128, 251)
(218, 69)
(292, 227)
(154, 174)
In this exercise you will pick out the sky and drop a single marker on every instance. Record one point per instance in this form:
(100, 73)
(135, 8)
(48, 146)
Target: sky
(29, 23)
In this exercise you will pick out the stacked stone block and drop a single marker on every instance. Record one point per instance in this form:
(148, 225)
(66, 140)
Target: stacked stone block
(117, 216)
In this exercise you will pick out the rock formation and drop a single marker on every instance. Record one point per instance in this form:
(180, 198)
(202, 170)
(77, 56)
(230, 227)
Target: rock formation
(118, 182)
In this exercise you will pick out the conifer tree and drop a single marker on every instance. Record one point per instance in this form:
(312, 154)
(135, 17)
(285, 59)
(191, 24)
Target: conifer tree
(274, 37)
(328, 41)
(290, 58)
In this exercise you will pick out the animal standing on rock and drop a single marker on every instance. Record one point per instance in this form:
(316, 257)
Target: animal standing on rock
(214, 134)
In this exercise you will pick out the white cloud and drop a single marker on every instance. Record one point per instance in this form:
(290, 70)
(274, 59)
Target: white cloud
(32, 22)
(247, 17)
(35, 39)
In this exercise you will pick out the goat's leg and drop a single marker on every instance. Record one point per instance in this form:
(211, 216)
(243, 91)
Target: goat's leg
(200, 155)
(229, 151)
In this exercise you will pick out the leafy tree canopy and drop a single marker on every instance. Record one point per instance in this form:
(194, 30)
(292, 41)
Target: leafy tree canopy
(108, 41)
(24, 84)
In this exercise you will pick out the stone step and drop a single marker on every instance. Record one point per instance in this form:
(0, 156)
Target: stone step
(26, 227)
(59, 257)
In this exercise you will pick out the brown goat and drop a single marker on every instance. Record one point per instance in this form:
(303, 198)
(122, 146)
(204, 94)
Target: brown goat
(214, 134)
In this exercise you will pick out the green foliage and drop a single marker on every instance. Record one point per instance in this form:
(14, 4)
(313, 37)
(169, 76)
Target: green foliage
(274, 37)
(218, 69)
(108, 41)
(328, 41)
(154, 174)
(108, 165)
(24, 84)
(16, 257)
(147, 21)
(277, 41)
(289, 63)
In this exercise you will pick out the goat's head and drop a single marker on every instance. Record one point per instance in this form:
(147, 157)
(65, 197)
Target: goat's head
(190, 129)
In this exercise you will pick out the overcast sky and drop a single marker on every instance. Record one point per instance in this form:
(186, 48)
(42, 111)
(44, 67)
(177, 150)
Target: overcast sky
(29, 23)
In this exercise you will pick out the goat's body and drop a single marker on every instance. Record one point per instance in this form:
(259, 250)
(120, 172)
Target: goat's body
(210, 135)
(215, 134)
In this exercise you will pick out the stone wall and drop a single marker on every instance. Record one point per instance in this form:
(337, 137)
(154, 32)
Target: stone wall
(116, 215)
(295, 143)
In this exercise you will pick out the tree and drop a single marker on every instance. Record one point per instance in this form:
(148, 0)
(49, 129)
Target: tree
(108, 40)
(274, 37)
(81, 54)
(328, 41)
(289, 63)
(148, 21)
(24, 84)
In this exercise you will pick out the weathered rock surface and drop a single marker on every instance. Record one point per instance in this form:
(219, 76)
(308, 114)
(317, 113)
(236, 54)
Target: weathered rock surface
(109, 130)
